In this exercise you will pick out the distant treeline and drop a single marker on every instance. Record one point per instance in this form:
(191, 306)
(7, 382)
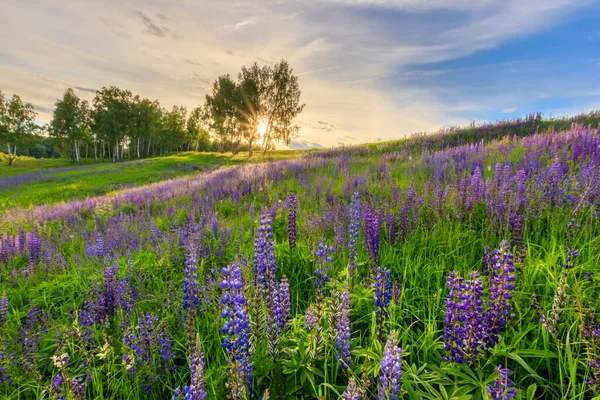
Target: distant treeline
(254, 112)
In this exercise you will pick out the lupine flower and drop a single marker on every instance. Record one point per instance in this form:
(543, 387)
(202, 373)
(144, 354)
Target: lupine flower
(265, 266)
(190, 283)
(503, 388)
(236, 331)
(391, 370)
(78, 388)
(503, 278)
(284, 309)
(383, 296)
(353, 392)
(110, 290)
(310, 317)
(3, 308)
(372, 226)
(464, 330)
(292, 210)
(323, 260)
(148, 350)
(56, 389)
(353, 232)
(195, 390)
(341, 328)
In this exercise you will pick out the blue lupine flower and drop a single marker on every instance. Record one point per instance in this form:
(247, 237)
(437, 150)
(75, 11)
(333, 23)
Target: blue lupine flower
(503, 388)
(237, 331)
(383, 296)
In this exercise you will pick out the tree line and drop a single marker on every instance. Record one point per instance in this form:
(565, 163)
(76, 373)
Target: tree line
(254, 111)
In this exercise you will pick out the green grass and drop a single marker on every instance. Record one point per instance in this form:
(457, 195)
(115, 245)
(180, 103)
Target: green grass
(94, 179)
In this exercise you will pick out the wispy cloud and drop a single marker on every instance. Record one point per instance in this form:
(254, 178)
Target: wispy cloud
(368, 68)
(151, 26)
(509, 110)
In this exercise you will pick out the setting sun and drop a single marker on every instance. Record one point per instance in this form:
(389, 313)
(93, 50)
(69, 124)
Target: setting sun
(262, 128)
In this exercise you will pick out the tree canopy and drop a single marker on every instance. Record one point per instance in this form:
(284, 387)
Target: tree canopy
(119, 123)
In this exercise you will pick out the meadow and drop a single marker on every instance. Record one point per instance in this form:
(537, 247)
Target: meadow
(463, 265)
(46, 181)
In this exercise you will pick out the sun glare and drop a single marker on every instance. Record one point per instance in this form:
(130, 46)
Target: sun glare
(262, 128)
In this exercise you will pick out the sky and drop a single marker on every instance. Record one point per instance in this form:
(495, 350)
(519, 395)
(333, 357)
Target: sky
(368, 69)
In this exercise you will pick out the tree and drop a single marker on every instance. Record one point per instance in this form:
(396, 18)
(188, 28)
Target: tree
(17, 124)
(266, 97)
(112, 117)
(174, 127)
(71, 123)
(251, 87)
(197, 134)
(220, 108)
(280, 105)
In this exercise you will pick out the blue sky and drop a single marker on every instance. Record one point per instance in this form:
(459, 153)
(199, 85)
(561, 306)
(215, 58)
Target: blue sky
(369, 69)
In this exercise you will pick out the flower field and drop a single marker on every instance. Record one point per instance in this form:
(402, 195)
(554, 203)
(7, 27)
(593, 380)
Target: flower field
(457, 266)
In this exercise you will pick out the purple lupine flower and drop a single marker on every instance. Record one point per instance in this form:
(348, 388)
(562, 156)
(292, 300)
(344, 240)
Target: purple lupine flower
(195, 390)
(237, 332)
(292, 215)
(311, 318)
(372, 226)
(55, 388)
(391, 370)
(504, 388)
(265, 266)
(284, 308)
(342, 327)
(78, 388)
(352, 392)
(323, 261)
(383, 296)
(3, 308)
(464, 328)
(353, 232)
(503, 278)
(148, 350)
(190, 282)
(397, 292)
(36, 323)
(35, 247)
(110, 290)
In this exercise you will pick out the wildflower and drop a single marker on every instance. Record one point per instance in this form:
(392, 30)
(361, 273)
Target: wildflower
(353, 232)
(342, 328)
(293, 208)
(503, 388)
(3, 308)
(353, 391)
(236, 331)
(284, 308)
(383, 296)
(372, 226)
(190, 283)
(390, 374)
(195, 390)
(464, 329)
(503, 277)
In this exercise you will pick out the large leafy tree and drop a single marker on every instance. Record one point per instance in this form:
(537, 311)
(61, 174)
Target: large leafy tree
(267, 97)
(281, 105)
(71, 123)
(221, 109)
(174, 127)
(112, 117)
(17, 124)
(197, 134)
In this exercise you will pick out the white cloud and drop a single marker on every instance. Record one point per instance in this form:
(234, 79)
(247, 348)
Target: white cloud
(509, 110)
(345, 57)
